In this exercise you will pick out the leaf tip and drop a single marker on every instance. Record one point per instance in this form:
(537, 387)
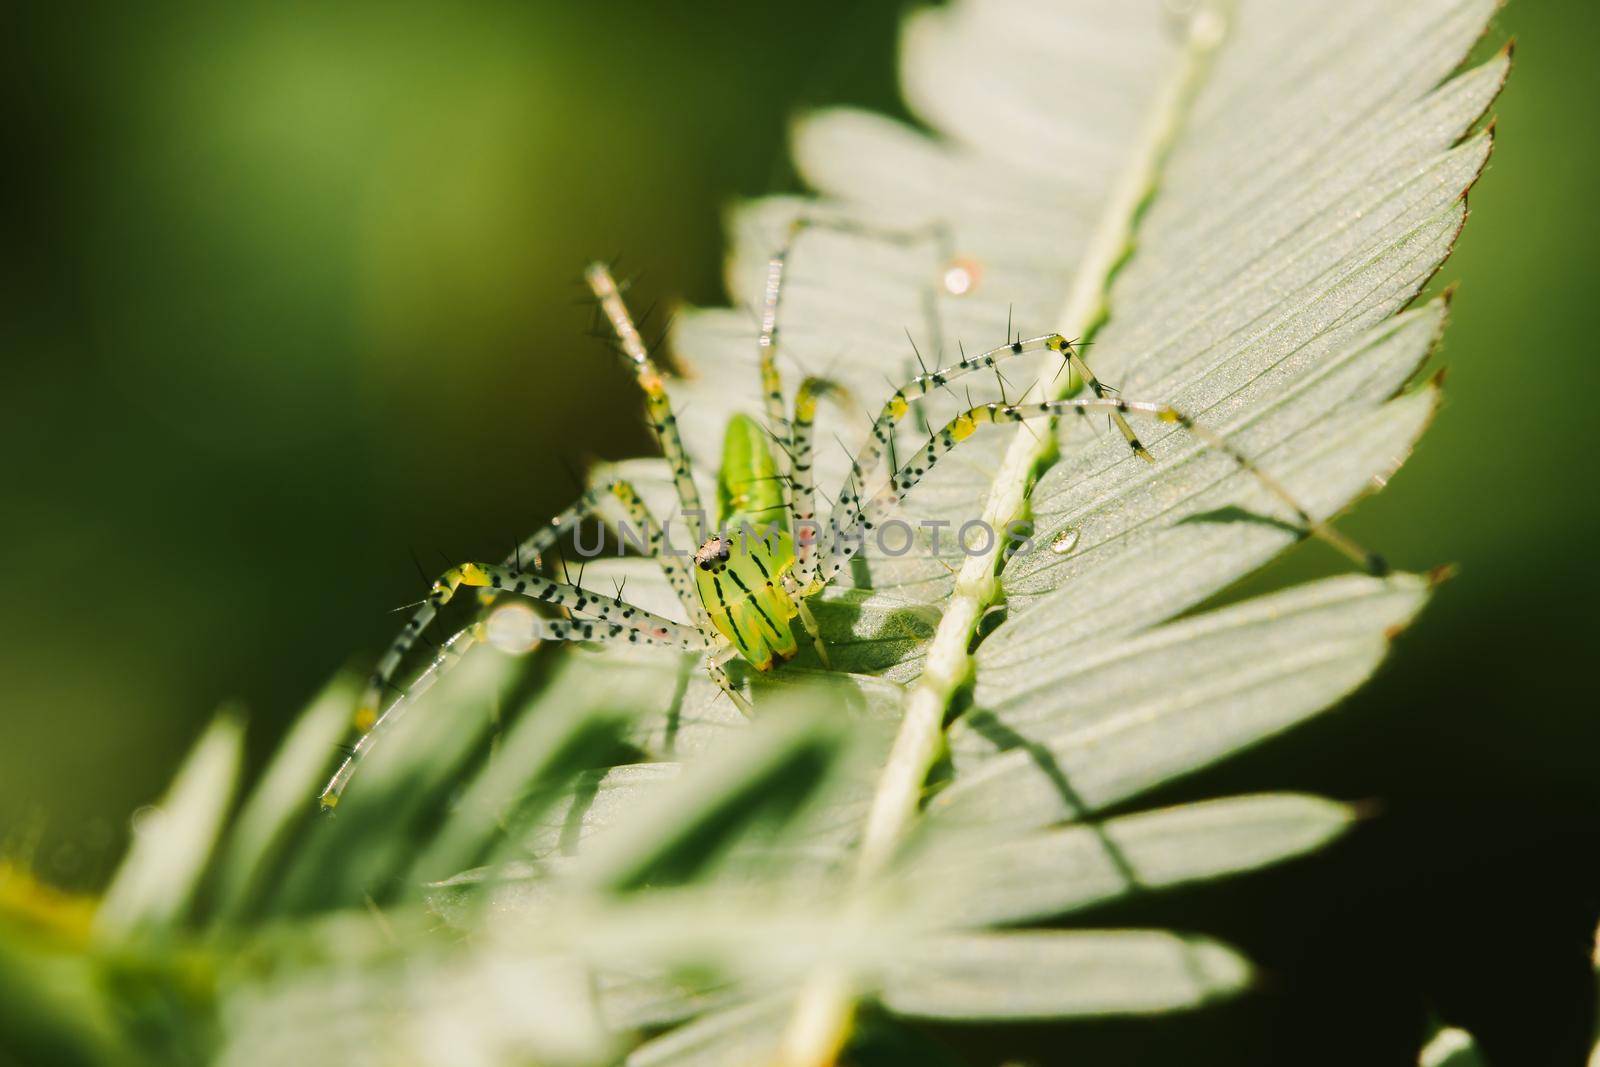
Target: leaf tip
(1222, 970)
(1441, 574)
(1365, 810)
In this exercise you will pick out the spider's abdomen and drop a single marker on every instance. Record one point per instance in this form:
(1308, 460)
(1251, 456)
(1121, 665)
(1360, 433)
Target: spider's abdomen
(750, 488)
(740, 580)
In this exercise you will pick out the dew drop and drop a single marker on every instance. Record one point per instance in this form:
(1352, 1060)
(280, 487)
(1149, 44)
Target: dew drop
(514, 628)
(1064, 542)
(961, 276)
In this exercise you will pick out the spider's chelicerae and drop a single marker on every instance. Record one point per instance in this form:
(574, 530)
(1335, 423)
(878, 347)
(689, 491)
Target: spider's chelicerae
(742, 594)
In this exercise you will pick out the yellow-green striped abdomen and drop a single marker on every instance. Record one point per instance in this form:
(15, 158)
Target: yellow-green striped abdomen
(739, 573)
(739, 576)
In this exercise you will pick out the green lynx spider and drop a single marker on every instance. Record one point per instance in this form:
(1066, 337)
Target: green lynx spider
(742, 594)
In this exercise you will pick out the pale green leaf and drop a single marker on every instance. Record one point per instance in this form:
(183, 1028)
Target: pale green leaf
(736, 1037)
(1450, 1047)
(1130, 714)
(572, 723)
(1046, 873)
(762, 778)
(281, 801)
(360, 852)
(1053, 974)
(154, 885)
(483, 1009)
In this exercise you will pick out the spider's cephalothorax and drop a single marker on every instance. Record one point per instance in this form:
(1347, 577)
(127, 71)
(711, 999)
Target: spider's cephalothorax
(713, 555)
(771, 552)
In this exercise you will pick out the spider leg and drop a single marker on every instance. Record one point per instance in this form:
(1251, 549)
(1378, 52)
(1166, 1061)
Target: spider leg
(772, 298)
(658, 406)
(508, 575)
(716, 666)
(865, 514)
(767, 342)
(449, 655)
(802, 482)
(575, 629)
(591, 502)
(643, 627)
(367, 720)
(847, 511)
(599, 618)
(653, 544)
(808, 620)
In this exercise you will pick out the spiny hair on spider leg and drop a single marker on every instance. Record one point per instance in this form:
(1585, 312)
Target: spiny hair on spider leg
(942, 384)
(914, 351)
(561, 561)
(849, 455)
(572, 474)
(641, 321)
(1001, 378)
(1066, 361)
(661, 338)
(421, 573)
(777, 442)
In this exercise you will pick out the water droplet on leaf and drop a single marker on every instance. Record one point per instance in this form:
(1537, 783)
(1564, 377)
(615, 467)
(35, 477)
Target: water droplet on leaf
(961, 276)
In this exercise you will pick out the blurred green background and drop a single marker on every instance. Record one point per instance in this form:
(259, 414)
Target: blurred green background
(288, 295)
